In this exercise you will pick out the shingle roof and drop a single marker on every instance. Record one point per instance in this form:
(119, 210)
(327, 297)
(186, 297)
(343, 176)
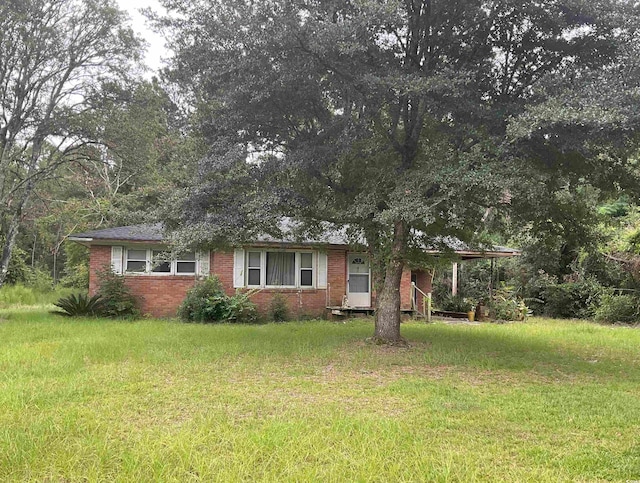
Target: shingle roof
(155, 233)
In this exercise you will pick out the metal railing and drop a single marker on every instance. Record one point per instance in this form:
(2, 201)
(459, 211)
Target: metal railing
(426, 301)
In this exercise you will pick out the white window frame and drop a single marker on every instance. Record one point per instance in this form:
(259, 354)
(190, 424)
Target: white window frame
(126, 261)
(149, 264)
(299, 269)
(174, 264)
(263, 268)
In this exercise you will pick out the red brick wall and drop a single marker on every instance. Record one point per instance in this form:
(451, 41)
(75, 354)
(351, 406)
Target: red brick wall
(160, 296)
(99, 256)
(222, 266)
(336, 276)
(423, 281)
(405, 290)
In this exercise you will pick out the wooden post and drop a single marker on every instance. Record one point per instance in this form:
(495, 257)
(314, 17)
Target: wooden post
(428, 306)
(493, 262)
(413, 296)
(454, 279)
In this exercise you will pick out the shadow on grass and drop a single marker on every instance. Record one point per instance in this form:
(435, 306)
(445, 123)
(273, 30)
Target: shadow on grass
(518, 348)
(521, 348)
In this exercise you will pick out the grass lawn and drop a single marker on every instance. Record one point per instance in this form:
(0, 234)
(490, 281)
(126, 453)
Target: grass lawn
(160, 401)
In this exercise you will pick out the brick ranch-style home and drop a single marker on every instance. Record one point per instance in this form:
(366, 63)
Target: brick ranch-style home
(314, 276)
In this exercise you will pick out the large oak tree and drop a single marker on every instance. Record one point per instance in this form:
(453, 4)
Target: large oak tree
(402, 120)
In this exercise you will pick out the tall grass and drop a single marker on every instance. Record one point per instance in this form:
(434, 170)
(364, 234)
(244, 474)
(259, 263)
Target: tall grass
(19, 295)
(156, 400)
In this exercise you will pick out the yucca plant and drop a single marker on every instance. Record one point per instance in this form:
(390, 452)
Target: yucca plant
(80, 305)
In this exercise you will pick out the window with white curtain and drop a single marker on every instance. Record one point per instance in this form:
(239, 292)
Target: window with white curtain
(270, 268)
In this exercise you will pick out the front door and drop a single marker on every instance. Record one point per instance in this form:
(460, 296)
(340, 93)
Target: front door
(358, 282)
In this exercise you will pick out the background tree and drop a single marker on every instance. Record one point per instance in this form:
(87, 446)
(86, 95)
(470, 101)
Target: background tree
(403, 120)
(55, 58)
(138, 157)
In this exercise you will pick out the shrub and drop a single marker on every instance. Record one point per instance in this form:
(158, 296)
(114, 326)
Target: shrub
(618, 308)
(506, 306)
(240, 309)
(80, 305)
(205, 302)
(278, 308)
(454, 303)
(571, 299)
(17, 295)
(77, 277)
(39, 280)
(117, 299)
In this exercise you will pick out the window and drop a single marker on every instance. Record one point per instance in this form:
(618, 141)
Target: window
(279, 269)
(159, 262)
(136, 261)
(253, 269)
(306, 269)
(186, 263)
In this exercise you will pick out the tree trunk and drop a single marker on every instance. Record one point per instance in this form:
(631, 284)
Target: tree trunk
(387, 330)
(12, 233)
(7, 249)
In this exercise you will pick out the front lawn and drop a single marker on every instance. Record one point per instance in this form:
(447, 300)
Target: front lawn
(160, 400)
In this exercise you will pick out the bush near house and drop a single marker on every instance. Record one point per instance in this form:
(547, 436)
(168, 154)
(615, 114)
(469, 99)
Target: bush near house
(116, 298)
(506, 306)
(207, 302)
(278, 308)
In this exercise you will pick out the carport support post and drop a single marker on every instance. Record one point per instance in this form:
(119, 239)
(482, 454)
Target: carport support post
(493, 262)
(454, 279)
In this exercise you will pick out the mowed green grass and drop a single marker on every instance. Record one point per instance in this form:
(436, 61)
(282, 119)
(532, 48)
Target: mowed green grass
(310, 401)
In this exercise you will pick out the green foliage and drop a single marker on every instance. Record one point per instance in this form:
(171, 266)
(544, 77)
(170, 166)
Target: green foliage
(506, 306)
(17, 295)
(80, 305)
(571, 299)
(474, 277)
(455, 303)
(18, 270)
(616, 208)
(39, 280)
(76, 277)
(207, 302)
(278, 308)
(76, 267)
(241, 309)
(618, 308)
(117, 299)
(48, 50)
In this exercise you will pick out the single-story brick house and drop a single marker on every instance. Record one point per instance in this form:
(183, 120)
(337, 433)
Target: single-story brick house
(313, 275)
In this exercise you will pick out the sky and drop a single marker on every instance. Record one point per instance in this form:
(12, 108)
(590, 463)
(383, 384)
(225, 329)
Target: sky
(156, 49)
